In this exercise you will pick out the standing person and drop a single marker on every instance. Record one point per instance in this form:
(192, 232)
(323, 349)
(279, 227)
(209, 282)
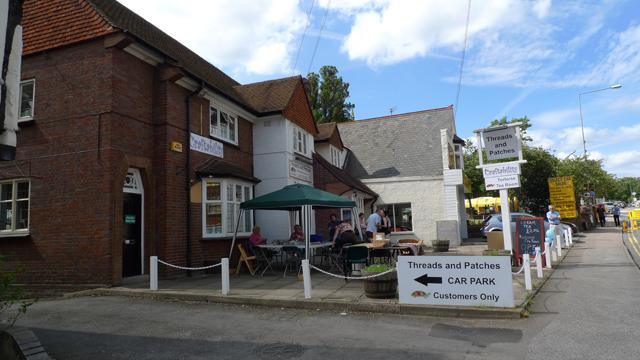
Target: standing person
(554, 220)
(616, 214)
(362, 222)
(331, 226)
(601, 214)
(297, 234)
(386, 223)
(373, 224)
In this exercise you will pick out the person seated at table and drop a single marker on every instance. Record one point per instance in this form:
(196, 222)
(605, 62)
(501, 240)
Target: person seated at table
(297, 234)
(256, 237)
(344, 235)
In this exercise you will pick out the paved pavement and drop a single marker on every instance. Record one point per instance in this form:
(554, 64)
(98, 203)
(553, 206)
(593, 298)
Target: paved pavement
(587, 310)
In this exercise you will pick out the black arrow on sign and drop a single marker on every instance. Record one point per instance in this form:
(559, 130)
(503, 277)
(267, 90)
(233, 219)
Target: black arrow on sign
(426, 280)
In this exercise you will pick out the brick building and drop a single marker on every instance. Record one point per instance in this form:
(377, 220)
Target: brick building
(104, 176)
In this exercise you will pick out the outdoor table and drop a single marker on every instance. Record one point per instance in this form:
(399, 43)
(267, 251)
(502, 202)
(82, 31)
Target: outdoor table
(277, 247)
(394, 249)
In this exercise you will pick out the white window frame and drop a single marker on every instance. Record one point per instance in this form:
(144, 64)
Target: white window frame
(301, 144)
(392, 216)
(14, 193)
(216, 132)
(224, 203)
(335, 156)
(33, 101)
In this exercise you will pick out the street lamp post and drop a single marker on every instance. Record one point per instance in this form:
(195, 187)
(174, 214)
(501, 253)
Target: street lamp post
(584, 142)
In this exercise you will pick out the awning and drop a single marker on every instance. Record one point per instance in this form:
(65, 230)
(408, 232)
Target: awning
(292, 197)
(221, 168)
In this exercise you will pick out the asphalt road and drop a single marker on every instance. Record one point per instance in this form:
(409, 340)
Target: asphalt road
(588, 310)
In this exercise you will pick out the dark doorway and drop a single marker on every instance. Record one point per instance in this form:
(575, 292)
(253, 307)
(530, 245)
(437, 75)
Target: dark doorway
(132, 240)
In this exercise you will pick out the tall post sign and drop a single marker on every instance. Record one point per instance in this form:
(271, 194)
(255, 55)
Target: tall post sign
(562, 196)
(498, 143)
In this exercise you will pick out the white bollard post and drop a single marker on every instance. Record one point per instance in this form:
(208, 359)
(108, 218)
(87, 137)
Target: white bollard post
(547, 256)
(527, 271)
(570, 237)
(306, 275)
(559, 246)
(225, 276)
(153, 273)
(566, 238)
(554, 253)
(538, 262)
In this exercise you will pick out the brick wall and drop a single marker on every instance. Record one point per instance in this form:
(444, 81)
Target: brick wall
(299, 112)
(325, 180)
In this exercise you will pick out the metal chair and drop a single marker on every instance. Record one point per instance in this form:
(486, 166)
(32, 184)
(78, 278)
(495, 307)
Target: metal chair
(292, 258)
(354, 255)
(264, 258)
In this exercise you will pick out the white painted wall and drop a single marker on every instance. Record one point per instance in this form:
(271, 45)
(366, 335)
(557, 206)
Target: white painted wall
(425, 196)
(324, 150)
(272, 151)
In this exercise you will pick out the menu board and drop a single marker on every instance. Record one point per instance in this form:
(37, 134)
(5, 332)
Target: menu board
(530, 234)
(562, 196)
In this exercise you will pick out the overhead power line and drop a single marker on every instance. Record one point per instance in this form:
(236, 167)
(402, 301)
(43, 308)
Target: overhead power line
(304, 33)
(464, 50)
(315, 48)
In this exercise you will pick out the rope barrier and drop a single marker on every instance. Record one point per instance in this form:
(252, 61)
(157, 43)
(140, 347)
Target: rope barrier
(351, 277)
(519, 271)
(189, 268)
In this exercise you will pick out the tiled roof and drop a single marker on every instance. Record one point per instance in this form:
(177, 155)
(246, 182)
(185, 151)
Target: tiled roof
(398, 145)
(325, 131)
(53, 23)
(343, 176)
(221, 168)
(269, 96)
(50, 24)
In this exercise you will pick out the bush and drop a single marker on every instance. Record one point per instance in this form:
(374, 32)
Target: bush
(377, 268)
(12, 298)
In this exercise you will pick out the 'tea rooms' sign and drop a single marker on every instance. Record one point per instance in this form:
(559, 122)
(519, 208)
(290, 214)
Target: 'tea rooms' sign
(501, 143)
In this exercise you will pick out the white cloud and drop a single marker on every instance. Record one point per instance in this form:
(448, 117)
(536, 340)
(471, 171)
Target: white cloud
(245, 36)
(619, 64)
(556, 118)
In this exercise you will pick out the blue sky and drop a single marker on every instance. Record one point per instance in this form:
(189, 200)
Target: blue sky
(524, 57)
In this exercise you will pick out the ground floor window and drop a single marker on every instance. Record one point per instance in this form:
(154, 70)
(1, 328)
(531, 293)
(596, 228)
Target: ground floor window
(400, 216)
(221, 200)
(14, 206)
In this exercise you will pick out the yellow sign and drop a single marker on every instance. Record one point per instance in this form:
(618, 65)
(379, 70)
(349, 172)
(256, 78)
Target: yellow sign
(563, 196)
(176, 146)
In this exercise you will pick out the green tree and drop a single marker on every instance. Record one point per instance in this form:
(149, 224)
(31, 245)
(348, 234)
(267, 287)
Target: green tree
(534, 190)
(624, 187)
(588, 175)
(470, 158)
(328, 95)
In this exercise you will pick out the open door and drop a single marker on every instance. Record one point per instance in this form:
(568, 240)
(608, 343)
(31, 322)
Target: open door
(133, 225)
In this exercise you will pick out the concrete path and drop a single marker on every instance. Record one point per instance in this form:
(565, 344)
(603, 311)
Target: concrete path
(587, 310)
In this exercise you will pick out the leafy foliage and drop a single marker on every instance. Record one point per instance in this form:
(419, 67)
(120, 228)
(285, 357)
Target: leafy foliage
(12, 299)
(523, 128)
(534, 190)
(328, 95)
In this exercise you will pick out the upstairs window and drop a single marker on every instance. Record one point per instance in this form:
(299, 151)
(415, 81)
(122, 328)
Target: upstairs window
(224, 126)
(27, 96)
(14, 206)
(335, 157)
(300, 141)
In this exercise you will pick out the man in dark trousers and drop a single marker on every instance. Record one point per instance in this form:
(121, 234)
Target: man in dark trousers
(601, 214)
(616, 214)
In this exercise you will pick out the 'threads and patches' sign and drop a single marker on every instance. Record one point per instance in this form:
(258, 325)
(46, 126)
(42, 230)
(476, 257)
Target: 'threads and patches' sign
(501, 143)
(455, 280)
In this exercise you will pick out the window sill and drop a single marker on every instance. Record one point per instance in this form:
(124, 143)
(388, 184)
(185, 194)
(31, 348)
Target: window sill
(14, 234)
(25, 120)
(223, 140)
(402, 232)
(225, 237)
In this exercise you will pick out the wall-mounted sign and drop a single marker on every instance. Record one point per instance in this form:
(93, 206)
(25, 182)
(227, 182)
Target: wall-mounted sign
(206, 145)
(176, 146)
(501, 143)
(129, 219)
(301, 171)
(455, 280)
(502, 169)
(563, 197)
(502, 182)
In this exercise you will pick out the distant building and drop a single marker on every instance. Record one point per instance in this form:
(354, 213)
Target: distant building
(413, 162)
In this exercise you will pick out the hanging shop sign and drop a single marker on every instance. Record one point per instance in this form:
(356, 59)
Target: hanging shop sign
(206, 145)
(502, 182)
(501, 169)
(500, 143)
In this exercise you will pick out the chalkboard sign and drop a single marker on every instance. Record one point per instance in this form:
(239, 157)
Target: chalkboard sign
(530, 234)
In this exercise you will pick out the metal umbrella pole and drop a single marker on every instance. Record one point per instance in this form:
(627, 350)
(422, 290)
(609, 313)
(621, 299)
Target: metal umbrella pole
(235, 233)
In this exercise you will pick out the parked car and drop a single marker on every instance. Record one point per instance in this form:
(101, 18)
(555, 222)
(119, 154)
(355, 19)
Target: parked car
(608, 206)
(494, 223)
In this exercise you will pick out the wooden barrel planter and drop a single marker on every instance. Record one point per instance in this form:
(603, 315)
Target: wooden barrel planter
(440, 245)
(381, 287)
